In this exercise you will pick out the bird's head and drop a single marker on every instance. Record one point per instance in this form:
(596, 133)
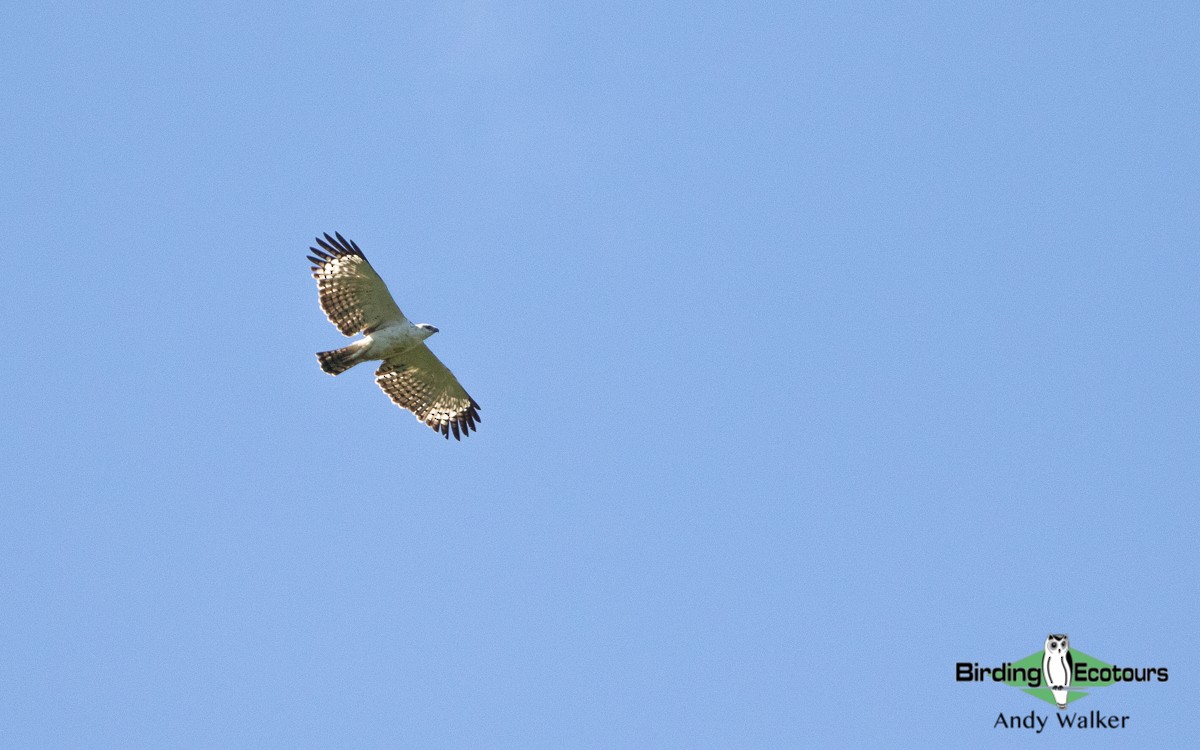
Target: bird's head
(426, 330)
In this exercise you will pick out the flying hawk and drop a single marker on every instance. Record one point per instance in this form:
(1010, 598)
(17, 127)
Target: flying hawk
(356, 300)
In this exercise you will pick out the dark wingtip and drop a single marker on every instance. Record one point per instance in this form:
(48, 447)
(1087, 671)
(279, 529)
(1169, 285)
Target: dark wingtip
(337, 247)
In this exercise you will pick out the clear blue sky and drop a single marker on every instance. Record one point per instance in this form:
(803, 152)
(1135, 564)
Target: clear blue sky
(820, 347)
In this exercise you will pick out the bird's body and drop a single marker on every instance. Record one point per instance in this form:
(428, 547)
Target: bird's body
(393, 339)
(385, 342)
(356, 300)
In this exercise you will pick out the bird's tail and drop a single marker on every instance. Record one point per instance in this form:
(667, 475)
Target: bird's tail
(338, 361)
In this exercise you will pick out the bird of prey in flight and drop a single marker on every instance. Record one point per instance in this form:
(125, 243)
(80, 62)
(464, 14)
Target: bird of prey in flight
(356, 300)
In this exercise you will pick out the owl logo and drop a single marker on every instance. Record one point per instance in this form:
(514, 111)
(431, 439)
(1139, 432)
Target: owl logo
(1057, 667)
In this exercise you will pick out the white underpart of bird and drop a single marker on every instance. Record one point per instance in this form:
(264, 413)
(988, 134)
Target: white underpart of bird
(356, 300)
(392, 339)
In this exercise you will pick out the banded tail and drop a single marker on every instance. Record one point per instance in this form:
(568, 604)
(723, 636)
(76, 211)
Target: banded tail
(338, 361)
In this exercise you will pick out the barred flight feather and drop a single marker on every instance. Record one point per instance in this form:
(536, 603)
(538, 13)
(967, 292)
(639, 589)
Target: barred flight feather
(353, 296)
(433, 397)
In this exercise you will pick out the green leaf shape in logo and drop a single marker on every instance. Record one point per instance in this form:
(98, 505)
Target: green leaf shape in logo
(1074, 692)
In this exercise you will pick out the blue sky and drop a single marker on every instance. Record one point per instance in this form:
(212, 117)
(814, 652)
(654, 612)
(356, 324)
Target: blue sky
(819, 347)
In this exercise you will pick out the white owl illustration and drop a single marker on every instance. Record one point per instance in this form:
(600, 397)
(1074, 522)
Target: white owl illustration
(1057, 666)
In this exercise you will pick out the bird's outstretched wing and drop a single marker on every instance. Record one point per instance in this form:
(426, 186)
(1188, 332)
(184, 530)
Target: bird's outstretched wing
(353, 296)
(418, 381)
